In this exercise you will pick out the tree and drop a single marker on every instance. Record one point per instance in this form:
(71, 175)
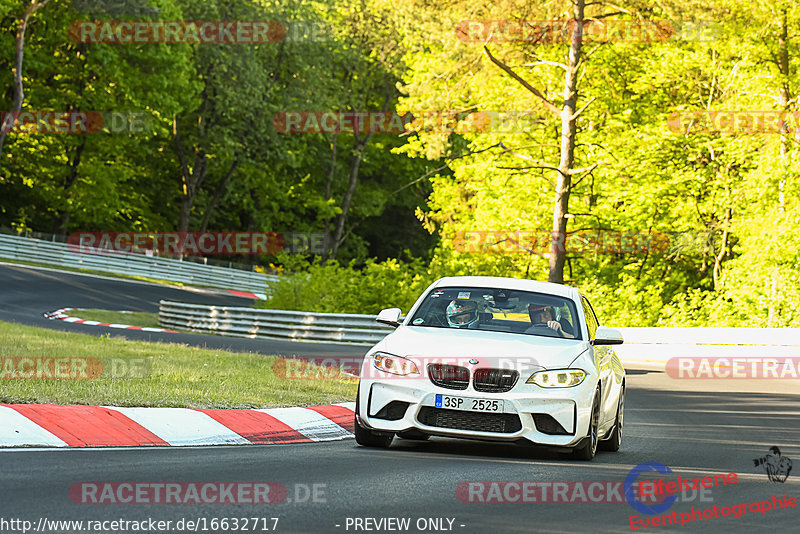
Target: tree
(98, 179)
(16, 107)
(367, 72)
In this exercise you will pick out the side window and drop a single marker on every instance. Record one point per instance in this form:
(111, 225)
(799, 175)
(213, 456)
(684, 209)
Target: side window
(591, 319)
(566, 319)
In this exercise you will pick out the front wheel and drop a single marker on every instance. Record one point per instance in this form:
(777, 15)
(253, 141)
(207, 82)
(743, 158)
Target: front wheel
(366, 437)
(588, 450)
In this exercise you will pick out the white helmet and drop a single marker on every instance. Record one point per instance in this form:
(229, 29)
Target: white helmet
(462, 313)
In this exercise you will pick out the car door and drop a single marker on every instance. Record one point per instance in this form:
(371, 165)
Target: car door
(603, 355)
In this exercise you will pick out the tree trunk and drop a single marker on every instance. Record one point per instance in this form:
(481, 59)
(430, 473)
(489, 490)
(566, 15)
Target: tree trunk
(723, 249)
(783, 103)
(190, 180)
(72, 177)
(328, 192)
(783, 100)
(18, 89)
(191, 183)
(568, 115)
(558, 252)
(358, 154)
(221, 187)
(347, 200)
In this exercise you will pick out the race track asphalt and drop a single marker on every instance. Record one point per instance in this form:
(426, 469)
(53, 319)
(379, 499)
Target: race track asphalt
(694, 433)
(696, 428)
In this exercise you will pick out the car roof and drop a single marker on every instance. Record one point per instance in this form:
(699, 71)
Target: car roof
(510, 283)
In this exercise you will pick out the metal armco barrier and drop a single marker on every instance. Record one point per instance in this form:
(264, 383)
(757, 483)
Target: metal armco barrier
(645, 348)
(651, 348)
(57, 254)
(273, 324)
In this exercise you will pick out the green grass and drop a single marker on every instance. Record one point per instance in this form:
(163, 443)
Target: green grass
(118, 317)
(175, 375)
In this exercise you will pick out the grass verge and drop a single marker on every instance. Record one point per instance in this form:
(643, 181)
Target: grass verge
(137, 373)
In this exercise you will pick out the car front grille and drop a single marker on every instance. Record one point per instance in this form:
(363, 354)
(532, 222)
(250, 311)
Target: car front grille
(448, 376)
(501, 423)
(494, 380)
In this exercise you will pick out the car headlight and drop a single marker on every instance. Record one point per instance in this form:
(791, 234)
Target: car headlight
(396, 365)
(560, 378)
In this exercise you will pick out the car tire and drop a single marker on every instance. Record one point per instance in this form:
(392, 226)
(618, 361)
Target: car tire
(367, 438)
(614, 441)
(587, 451)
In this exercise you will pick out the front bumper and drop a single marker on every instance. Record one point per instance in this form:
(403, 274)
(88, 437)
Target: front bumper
(529, 412)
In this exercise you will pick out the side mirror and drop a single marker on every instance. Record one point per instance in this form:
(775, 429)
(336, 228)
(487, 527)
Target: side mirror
(607, 336)
(389, 316)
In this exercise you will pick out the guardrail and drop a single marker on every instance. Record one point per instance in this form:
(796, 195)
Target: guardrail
(57, 254)
(651, 348)
(644, 348)
(272, 324)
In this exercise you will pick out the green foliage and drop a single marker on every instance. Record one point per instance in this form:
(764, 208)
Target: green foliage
(221, 99)
(333, 287)
(732, 196)
(650, 178)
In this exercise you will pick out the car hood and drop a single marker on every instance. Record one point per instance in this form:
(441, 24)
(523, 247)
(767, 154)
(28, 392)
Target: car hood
(494, 349)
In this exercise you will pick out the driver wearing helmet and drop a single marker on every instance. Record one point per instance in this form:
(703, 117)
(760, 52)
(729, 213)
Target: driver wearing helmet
(543, 316)
(462, 314)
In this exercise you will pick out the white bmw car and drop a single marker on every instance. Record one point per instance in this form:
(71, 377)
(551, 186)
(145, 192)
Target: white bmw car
(495, 359)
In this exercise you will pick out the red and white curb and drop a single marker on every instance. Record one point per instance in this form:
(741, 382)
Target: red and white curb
(62, 315)
(49, 425)
(247, 294)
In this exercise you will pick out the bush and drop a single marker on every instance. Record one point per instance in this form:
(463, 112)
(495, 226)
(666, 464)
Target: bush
(334, 288)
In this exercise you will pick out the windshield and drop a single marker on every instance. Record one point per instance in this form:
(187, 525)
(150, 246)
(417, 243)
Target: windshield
(498, 310)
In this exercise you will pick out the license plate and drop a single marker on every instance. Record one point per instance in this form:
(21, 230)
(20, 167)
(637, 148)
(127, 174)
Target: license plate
(468, 404)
